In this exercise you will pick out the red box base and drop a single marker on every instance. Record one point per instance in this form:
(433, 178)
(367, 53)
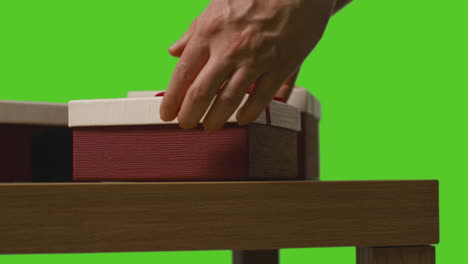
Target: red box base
(159, 153)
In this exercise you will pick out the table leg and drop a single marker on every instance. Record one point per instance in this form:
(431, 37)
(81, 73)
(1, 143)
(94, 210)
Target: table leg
(395, 255)
(255, 256)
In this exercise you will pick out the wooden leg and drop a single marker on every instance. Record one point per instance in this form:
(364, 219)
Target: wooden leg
(396, 255)
(255, 256)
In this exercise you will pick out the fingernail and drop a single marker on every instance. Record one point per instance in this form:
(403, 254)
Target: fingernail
(166, 117)
(207, 129)
(174, 46)
(163, 117)
(241, 122)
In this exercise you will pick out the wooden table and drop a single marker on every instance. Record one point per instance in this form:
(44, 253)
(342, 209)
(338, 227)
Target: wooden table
(387, 221)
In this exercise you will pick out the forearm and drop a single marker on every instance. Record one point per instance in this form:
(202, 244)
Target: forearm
(340, 4)
(287, 87)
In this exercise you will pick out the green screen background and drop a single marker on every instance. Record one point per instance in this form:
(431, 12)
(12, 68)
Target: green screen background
(391, 76)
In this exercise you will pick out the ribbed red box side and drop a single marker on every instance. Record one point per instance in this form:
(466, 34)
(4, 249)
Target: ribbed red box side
(159, 153)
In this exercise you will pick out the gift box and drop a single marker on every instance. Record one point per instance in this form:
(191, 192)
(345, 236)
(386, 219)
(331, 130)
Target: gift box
(308, 145)
(35, 142)
(125, 140)
(308, 138)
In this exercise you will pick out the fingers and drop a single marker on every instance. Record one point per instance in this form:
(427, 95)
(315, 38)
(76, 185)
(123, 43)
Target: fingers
(187, 69)
(261, 96)
(287, 87)
(178, 47)
(228, 99)
(201, 93)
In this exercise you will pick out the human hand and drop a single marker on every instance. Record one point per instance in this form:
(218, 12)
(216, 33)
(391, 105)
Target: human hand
(178, 48)
(233, 44)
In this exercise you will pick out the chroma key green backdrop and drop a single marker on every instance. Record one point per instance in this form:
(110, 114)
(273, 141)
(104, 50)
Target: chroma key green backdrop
(392, 77)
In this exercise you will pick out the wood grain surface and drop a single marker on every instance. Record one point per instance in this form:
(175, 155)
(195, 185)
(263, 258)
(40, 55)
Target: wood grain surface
(122, 217)
(396, 255)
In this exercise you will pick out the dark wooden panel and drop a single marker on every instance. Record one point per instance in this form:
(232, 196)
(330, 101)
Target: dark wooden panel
(340, 4)
(255, 256)
(396, 255)
(15, 152)
(27, 153)
(308, 143)
(51, 156)
(116, 217)
(272, 153)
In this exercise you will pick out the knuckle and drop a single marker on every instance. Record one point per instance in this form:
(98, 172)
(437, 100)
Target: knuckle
(197, 95)
(212, 26)
(193, 25)
(272, 53)
(248, 44)
(228, 98)
(263, 98)
(268, 53)
(241, 43)
(184, 73)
